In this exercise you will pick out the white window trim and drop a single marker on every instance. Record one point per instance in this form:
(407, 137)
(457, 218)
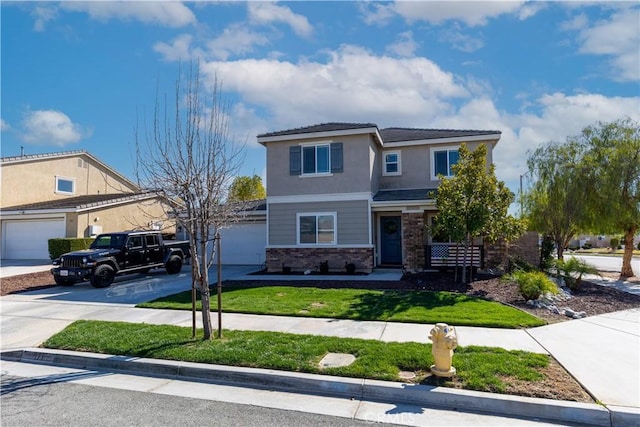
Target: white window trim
(384, 163)
(73, 181)
(317, 214)
(432, 156)
(314, 174)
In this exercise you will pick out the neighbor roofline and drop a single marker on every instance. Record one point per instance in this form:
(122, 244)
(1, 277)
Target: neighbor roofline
(64, 154)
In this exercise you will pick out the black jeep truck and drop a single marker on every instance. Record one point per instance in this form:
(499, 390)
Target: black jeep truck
(120, 253)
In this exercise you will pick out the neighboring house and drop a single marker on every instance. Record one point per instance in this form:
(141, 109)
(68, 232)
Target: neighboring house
(67, 194)
(353, 193)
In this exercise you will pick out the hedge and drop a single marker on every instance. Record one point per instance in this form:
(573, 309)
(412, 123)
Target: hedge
(61, 246)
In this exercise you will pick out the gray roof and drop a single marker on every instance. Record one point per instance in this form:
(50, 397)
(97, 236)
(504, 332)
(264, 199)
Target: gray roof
(409, 134)
(324, 127)
(394, 134)
(81, 202)
(401, 195)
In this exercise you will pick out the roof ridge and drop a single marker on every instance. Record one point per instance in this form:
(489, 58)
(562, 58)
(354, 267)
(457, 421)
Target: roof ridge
(441, 129)
(42, 155)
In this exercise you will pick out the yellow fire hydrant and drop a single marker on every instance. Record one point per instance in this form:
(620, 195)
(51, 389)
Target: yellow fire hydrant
(445, 340)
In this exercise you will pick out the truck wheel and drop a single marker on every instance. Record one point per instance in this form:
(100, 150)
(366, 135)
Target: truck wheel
(102, 276)
(174, 265)
(61, 281)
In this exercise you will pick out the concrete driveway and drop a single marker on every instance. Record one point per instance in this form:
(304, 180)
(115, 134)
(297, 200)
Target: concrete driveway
(15, 267)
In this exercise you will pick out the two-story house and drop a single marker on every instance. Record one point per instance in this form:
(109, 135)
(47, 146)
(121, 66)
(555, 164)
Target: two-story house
(353, 193)
(67, 194)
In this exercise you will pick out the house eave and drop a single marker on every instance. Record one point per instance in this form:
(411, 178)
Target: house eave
(412, 205)
(327, 134)
(493, 138)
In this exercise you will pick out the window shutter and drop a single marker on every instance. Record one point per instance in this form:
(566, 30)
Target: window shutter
(336, 157)
(295, 160)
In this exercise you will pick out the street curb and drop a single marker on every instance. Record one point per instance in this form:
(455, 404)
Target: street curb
(353, 388)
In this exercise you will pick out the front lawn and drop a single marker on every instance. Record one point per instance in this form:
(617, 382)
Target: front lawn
(360, 304)
(479, 368)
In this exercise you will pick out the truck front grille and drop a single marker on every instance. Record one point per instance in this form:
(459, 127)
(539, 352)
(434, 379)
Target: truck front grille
(71, 262)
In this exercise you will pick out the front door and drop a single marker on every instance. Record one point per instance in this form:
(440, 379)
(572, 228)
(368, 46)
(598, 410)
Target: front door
(390, 240)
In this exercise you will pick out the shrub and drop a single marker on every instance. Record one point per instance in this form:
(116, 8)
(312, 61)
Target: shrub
(639, 246)
(546, 253)
(61, 246)
(572, 271)
(532, 284)
(614, 243)
(516, 263)
(587, 246)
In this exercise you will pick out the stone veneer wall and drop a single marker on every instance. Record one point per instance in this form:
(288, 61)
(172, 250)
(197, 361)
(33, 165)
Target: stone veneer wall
(413, 241)
(526, 247)
(301, 259)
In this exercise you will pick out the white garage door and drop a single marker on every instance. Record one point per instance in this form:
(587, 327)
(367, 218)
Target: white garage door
(30, 239)
(244, 244)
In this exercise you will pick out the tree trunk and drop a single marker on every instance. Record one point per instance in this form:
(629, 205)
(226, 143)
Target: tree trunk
(205, 294)
(560, 247)
(206, 312)
(464, 261)
(627, 271)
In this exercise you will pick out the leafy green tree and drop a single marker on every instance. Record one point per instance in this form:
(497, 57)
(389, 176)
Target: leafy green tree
(611, 167)
(247, 188)
(555, 203)
(473, 203)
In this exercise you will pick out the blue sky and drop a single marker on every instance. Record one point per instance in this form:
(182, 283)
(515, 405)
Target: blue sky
(75, 75)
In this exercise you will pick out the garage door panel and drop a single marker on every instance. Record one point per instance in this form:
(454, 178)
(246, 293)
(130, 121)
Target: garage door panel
(29, 239)
(244, 244)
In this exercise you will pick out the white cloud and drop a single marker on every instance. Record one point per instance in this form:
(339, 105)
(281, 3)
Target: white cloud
(352, 85)
(618, 38)
(460, 41)
(472, 13)
(266, 13)
(42, 15)
(236, 39)
(376, 13)
(405, 46)
(50, 127)
(578, 22)
(178, 49)
(166, 13)
(4, 125)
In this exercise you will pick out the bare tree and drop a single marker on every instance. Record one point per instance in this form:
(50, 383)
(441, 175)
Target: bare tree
(189, 156)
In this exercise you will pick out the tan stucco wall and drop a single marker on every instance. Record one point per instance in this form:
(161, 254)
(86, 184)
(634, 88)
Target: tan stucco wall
(35, 180)
(130, 216)
(355, 178)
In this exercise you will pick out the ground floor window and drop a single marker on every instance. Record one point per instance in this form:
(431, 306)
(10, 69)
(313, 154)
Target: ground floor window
(317, 228)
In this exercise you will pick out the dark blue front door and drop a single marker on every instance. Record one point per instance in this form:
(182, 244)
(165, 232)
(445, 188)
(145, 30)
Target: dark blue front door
(390, 240)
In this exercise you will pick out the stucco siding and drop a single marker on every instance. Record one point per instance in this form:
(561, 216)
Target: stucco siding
(39, 176)
(352, 221)
(131, 216)
(354, 178)
(416, 163)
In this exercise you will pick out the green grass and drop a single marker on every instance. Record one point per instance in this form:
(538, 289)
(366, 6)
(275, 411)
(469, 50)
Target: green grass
(479, 368)
(360, 304)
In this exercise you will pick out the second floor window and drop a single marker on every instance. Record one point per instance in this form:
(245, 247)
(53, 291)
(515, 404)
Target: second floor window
(392, 163)
(315, 159)
(65, 185)
(443, 160)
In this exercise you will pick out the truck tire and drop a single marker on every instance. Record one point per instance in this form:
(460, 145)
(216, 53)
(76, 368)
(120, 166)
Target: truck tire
(174, 265)
(102, 276)
(62, 281)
